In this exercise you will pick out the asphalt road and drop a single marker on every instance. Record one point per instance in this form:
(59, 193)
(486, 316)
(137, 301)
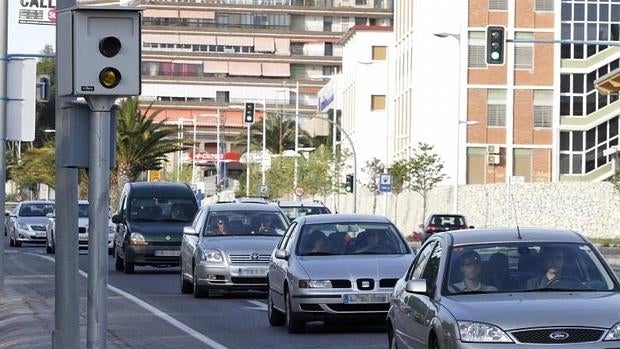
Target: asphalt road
(222, 322)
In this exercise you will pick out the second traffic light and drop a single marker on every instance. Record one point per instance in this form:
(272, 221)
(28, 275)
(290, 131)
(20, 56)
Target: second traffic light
(349, 184)
(248, 117)
(495, 45)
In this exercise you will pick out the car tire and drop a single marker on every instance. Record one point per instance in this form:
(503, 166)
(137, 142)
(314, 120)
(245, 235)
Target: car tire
(276, 318)
(128, 267)
(118, 261)
(48, 249)
(186, 286)
(292, 322)
(53, 247)
(392, 339)
(433, 343)
(11, 242)
(198, 291)
(18, 243)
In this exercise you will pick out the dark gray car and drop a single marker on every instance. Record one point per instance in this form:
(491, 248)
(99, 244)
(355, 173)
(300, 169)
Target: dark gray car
(334, 267)
(506, 288)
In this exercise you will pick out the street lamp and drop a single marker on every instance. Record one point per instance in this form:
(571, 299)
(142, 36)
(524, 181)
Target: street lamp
(296, 89)
(218, 156)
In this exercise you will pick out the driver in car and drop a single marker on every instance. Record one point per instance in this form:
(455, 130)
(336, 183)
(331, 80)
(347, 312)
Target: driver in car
(554, 263)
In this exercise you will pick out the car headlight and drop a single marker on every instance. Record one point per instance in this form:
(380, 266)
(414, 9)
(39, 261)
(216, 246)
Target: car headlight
(315, 284)
(137, 239)
(614, 333)
(479, 332)
(213, 256)
(23, 226)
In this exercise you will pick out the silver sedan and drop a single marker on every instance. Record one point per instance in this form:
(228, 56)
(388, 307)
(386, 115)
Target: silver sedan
(511, 288)
(330, 267)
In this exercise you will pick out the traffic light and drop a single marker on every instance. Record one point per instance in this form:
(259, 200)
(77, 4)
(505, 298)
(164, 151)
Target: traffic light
(249, 113)
(349, 184)
(495, 45)
(103, 53)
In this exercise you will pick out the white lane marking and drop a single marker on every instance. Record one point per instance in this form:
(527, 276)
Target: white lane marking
(258, 305)
(146, 306)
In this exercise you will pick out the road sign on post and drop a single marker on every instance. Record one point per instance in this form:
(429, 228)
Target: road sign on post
(385, 183)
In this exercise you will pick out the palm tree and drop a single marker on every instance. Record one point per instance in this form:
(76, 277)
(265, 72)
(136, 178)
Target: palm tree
(141, 144)
(280, 132)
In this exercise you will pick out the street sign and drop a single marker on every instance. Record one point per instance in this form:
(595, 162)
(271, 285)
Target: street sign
(517, 180)
(385, 183)
(264, 190)
(299, 191)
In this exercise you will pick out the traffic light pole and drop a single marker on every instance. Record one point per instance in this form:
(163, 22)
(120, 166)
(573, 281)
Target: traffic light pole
(4, 17)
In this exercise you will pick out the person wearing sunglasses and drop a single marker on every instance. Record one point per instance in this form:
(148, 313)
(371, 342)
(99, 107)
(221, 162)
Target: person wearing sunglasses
(221, 226)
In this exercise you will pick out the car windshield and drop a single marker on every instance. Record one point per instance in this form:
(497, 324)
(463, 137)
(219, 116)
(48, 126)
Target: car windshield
(245, 222)
(83, 210)
(350, 239)
(294, 212)
(526, 267)
(36, 210)
(162, 209)
(448, 221)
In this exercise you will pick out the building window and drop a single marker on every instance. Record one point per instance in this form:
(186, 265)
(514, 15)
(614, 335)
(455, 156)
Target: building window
(379, 53)
(476, 165)
(297, 48)
(543, 5)
(524, 52)
(377, 102)
(477, 54)
(496, 108)
(498, 5)
(522, 164)
(327, 24)
(329, 49)
(360, 2)
(222, 96)
(361, 20)
(328, 70)
(543, 108)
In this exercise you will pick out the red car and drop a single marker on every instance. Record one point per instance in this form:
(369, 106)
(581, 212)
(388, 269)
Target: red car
(437, 223)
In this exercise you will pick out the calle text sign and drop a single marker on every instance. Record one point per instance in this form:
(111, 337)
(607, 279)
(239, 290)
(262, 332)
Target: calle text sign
(42, 12)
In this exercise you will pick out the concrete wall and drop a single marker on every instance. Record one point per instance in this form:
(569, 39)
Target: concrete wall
(590, 208)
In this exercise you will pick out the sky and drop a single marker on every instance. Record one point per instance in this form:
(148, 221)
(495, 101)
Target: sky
(27, 38)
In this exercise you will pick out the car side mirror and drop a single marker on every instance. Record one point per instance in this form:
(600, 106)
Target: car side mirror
(189, 230)
(6, 214)
(117, 218)
(50, 215)
(281, 254)
(417, 286)
(471, 227)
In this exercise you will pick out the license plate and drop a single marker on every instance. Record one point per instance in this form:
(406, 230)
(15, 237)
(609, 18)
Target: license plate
(83, 237)
(252, 271)
(40, 234)
(365, 298)
(166, 253)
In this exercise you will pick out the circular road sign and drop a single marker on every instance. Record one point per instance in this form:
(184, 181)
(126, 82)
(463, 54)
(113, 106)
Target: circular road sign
(299, 191)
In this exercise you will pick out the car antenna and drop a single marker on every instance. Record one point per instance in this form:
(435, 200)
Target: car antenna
(512, 200)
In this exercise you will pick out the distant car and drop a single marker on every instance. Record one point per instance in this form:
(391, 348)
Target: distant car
(149, 224)
(295, 209)
(437, 223)
(235, 257)
(506, 288)
(335, 267)
(83, 230)
(27, 222)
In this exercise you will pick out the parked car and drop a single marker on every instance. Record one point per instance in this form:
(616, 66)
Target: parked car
(27, 222)
(228, 247)
(83, 229)
(514, 288)
(333, 267)
(295, 209)
(149, 224)
(437, 223)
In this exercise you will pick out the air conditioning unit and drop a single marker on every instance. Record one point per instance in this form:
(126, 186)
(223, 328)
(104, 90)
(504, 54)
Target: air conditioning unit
(493, 149)
(493, 159)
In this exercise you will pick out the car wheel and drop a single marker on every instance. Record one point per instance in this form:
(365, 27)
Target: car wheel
(186, 286)
(118, 261)
(276, 318)
(293, 324)
(433, 343)
(392, 339)
(48, 249)
(128, 267)
(199, 292)
(11, 242)
(18, 243)
(53, 247)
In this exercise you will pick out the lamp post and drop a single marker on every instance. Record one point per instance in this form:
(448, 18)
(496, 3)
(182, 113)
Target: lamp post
(295, 175)
(262, 165)
(218, 150)
(180, 134)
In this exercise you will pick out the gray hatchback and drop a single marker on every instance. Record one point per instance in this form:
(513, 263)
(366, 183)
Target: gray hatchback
(526, 288)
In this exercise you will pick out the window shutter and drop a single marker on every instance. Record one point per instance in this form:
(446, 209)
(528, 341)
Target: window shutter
(477, 57)
(501, 5)
(524, 57)
(544, 5)
(542, 115)
(496, 115)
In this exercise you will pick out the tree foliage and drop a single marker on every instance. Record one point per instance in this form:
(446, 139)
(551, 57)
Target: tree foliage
(400, 178)
(280, 135)
(426, 169)
(37, 165)
(373, 169)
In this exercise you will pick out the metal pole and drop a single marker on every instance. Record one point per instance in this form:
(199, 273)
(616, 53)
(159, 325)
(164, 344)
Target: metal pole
(458, 131)
(247, 166)
(296, 135)
(334, 140)
(4, 17)
(264, 142)
(66, 332)
(98, 197)
(194, 153)
(217, 152)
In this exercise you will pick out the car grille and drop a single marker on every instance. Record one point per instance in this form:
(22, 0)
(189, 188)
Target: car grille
(341, 283)
(238, 280)
(37, 227)
(387, 283)
(165, 243)
(81, 230)
(359, 307)
(249, 258)
(563, 335)
(310, 307)
(365, 284)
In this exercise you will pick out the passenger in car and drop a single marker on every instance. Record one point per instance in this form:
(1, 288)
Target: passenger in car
(221, 226)
(370, 241)
(470, 268)
(497, 271)
(315, 243)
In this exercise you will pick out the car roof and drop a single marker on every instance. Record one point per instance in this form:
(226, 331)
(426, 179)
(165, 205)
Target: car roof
(36, 202)
(161, 187)
(344, 218)
(245, 206)
(300, 204)
(499, 235)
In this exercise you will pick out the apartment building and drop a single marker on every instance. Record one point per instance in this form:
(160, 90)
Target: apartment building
(535, 118)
